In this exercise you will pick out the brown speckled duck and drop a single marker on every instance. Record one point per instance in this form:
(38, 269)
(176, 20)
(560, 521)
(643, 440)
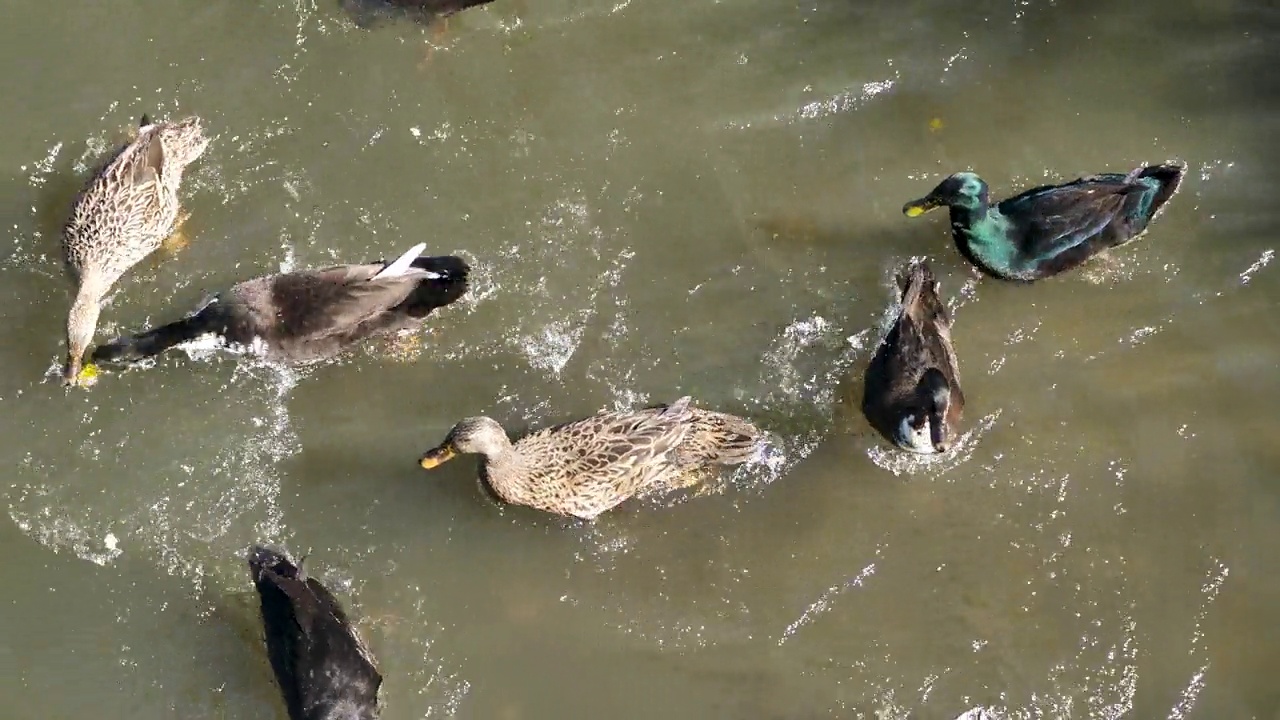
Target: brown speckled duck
(586, 467)
(123, 215)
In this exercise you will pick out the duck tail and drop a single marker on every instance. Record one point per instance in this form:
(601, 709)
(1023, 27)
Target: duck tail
(1169, 177)
(446, 281)
(264, 558)
(134, 348)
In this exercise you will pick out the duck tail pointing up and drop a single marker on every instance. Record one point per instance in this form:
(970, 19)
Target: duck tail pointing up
(445, 282)
(1169, 176)
(264, 558)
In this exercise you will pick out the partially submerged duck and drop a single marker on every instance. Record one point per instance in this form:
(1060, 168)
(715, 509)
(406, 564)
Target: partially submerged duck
(586, 467)
(367, 12)
(324, 670)
(310, 315)
(124, 213)
(912, 387)
(1049, 229)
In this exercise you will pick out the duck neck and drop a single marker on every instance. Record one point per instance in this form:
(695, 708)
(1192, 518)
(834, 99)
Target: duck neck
(981, 233)
(82, 322)
(507, 472)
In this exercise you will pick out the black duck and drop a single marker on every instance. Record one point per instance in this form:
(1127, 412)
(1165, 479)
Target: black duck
(366, 13)
(324, 670)
(1049, 229)
(310, 315)
(912, 387)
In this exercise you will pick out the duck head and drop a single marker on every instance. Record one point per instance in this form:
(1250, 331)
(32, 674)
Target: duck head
(481, 435)
(924, 429)
(963, 189)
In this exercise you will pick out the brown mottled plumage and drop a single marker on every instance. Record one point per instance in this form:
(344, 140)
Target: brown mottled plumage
(913, 391)
(586, 467)
(122, 216)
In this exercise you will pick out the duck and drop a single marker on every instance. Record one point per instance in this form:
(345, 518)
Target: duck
(912, 389)
(306, 316)
(1052, 228)
(366, 13)
(323, 668)
(585, 467)
(125, 212)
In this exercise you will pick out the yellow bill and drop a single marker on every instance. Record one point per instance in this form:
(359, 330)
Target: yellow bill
(437, 456)
(916, 208)
(88, 375)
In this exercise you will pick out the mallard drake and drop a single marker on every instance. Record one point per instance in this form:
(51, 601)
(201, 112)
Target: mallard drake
(912, 387)
(310, 315)
(586, 467)
(121, 216)
(366, 12)
(324, 670)
(1051, 228)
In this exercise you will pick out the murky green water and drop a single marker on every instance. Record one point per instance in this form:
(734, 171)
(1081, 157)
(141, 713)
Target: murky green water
(660, 197)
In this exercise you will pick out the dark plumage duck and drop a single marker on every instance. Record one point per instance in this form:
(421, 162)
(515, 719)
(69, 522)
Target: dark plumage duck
(323, 669)
(311, 315)
(912, 392)
(1051, 228)
(368, 12)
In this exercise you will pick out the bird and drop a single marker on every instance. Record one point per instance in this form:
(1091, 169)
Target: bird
(1052, 228)
(585, 467)
(912, 389)
(124, 213)
(367, 12)
(323, 668)
(306, 316)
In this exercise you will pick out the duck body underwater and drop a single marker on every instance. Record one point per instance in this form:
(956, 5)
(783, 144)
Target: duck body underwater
(323, 668)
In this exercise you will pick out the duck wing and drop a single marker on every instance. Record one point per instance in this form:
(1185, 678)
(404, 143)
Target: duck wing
(622, 451)
(1053, 219)
(338, 299)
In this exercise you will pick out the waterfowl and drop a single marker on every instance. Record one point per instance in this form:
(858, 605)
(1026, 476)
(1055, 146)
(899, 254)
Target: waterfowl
(1051, 228)
(912, 387)
(324, 670)
(124, 214)
(366, 12)
(588, 466)
(309, 315)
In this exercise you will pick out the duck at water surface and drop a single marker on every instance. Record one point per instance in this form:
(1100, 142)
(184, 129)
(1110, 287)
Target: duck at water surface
(586, 467)
(310, 315)
(1049, 229)
(912, 387)
(324, 670)
(126, 212)
(366, 12)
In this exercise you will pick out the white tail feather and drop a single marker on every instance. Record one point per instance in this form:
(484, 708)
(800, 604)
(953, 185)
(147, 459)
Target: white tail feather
(402, 263)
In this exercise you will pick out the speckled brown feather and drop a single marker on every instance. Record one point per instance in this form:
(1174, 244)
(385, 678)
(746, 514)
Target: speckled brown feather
(586, 467)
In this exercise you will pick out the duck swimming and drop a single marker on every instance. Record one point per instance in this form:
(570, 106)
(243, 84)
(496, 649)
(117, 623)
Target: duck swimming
(586, 467)
(367, 12)
(912, 387)
(1049, 229)
(324, 670)
(310, 315)
(123, 215)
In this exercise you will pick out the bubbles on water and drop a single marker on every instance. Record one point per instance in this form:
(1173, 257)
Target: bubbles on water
(1263, 261)
(939, 465)
(824, 601)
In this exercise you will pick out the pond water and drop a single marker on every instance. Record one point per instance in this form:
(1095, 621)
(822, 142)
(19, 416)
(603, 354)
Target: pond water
(660, 197)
